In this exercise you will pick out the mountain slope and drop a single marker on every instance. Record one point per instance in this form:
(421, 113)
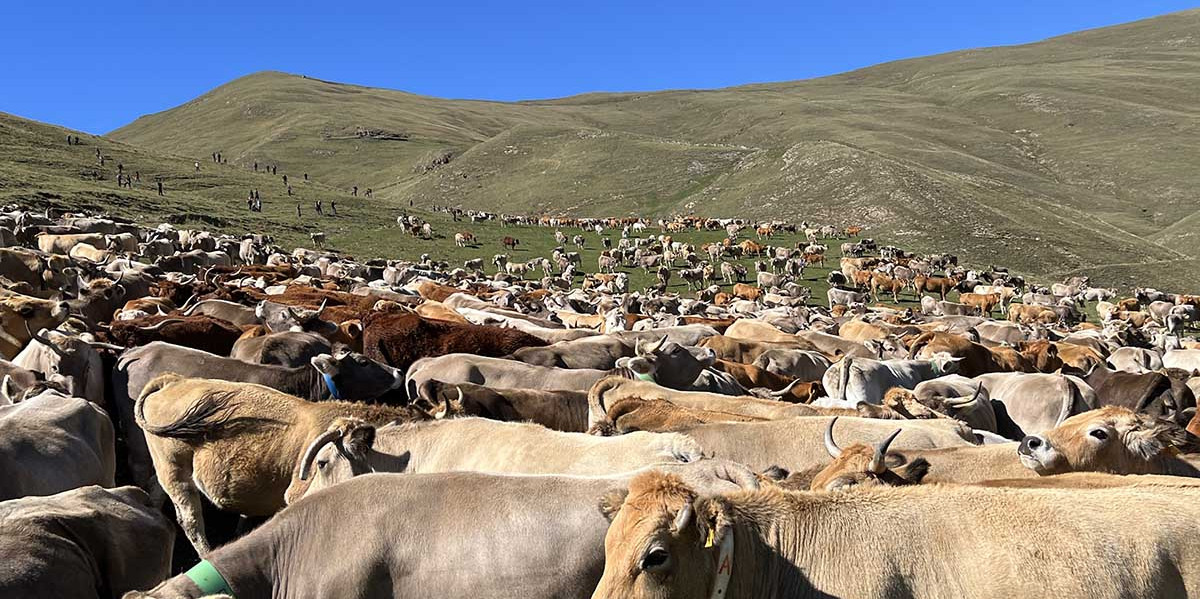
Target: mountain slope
(1071, 154)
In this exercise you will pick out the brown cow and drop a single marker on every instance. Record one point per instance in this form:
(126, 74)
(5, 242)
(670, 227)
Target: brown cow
(747, 292)
(978, 359)
(882, 282)
(198, 331)
(861, 465)
(510, 243)
(632, 414)
(399, 339)
(938, 285)
(1030, 314)
(984, 302)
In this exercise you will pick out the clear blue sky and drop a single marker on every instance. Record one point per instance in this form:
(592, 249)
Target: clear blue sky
(99, 64)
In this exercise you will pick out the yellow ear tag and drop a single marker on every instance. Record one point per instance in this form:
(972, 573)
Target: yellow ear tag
(709, 542)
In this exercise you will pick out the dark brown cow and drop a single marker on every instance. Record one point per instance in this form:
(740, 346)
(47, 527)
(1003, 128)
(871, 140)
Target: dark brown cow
(205, 333)
(1151, 393)
(562, 410)
(399, 339)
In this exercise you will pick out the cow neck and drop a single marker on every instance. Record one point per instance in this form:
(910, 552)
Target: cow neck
(724, 566)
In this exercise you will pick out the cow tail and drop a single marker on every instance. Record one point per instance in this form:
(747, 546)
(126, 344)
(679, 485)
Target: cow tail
(847, 362)
(918, 344)
(598, 419)
(198, 420)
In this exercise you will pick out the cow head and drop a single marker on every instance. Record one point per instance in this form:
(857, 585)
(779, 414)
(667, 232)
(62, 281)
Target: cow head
(338, 454)
(1042, 355)
(281, 318)
(356, 377)
(663, 541)
(862, 465)
(21, 313)
(668, 363)
(1110, 439)
(69, 360)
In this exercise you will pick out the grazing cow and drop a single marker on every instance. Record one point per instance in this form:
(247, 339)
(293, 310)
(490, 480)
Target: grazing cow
(51, 443)
(318, 239)
(844, 297)
(234, 442)
(983, 303)
(939, 285)
(510, 243)
(86, 543)
(668, 541)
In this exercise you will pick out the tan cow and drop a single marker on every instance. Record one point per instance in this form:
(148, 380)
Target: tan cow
(235, 442)
(20, 314)
(984, 302)
(667, 542)
(62, 244)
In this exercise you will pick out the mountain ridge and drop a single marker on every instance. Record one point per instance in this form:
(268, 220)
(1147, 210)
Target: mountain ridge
(1066, 154)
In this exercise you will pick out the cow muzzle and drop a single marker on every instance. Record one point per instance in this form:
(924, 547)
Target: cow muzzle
(1038, 454)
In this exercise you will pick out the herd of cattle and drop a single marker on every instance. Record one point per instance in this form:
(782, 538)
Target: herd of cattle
(398, 429)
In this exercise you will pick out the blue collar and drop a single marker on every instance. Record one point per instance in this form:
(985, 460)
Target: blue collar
(333, 390)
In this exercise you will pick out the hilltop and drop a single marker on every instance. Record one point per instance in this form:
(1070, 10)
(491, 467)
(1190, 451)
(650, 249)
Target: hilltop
(1074, 153)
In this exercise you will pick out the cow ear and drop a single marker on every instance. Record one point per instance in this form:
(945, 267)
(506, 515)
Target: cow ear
(713, 517)
(325, 364)
(359, 440)
(1154, 436)
(611, 502)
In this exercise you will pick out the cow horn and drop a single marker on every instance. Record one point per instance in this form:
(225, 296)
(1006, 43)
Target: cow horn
(654, 347)
(45, 341)
(4, 394)
(158, 325)
(310, 453)
(831, 446)
(786, 390)
(683, 518)
(962, 402)
(878, 465)
(321, 310)
(102, 345)
(845, 378)
(82, 283)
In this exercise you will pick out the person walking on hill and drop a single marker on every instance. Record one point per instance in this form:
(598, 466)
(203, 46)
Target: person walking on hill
(160, 190)
(197, 166)
(318, 206)
(355, 192)
(333, 206)
(298, 214)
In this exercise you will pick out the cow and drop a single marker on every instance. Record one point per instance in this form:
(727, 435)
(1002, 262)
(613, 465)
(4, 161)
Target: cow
(797, 364)
(939, 285)
(234, 442)
(52, 443)
(665, 362)
(979, 359)
(539, 562)
(510, 243)
(667, 541)
(204, 333)
(352, 447)
(290, 348)
(983, 303)
(21, 314)
(85, 543)
(1152, 393)
(1037, 402)
(844, 297)
(861, 465)
(562, 410)
(399, 339)
(599, 352)
(855, 380)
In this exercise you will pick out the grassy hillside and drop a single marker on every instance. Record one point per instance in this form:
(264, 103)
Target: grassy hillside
(38, 169)
(1071, 154)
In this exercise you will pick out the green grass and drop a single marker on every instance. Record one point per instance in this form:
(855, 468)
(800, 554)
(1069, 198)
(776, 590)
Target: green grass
(1075, 154)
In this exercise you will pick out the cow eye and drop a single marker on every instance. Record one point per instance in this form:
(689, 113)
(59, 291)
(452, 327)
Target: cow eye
(321, 464)
(655, 559)
(1099, 434)
(25, 311)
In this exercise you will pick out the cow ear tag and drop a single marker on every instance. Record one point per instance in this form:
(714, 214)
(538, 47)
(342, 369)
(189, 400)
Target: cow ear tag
(709, 542)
